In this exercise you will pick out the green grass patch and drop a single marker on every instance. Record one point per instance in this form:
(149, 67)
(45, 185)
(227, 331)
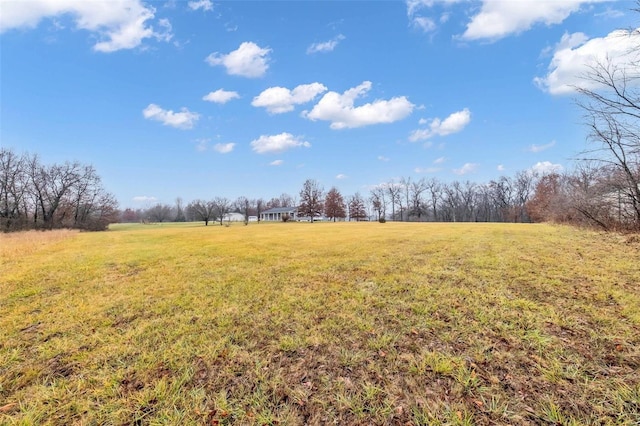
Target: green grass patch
(325, 323)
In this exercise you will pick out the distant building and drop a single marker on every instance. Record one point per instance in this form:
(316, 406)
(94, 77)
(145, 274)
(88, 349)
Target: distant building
(233, 217)
(277, 213)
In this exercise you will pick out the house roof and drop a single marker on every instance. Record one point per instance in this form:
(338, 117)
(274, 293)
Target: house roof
(281, 210)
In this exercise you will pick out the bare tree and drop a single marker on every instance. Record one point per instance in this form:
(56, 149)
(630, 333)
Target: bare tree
(405, 185)
(160, 213)
(179, 209)
(524, 184)
(244, 206)
(274, 203)
(394, 190)
(417, 205)
(610, 100)
(13, 190)
(434, 188)
(36, 195)
(287, 200)
(334, 205)
(202, 210)
(379, 202)
(311, 196)
(259, 207)
(222, 206)
(501, 192)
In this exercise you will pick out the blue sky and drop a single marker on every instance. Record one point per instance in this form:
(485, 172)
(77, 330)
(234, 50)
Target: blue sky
(200, 99)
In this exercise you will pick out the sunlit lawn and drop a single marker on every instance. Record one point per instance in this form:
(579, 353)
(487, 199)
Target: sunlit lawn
(325, 323)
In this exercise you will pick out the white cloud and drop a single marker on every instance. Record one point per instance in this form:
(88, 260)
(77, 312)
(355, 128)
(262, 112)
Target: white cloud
(326, 46)
(277, 143)
(278, 100)
(220, 96)
(224, 148)
(119, 24)
(414, 5)
(184, 119)
(454, 123)
(546, 167)
(276, 163)
(418, 20)
(500, 168)
(341, 176)
(339, 109)
(575, 54)
(427, 170)
(439, 160)
(383, 158)
(610, 13)
(466, 168)
(205, 5)
(203, 144)
(500, 18)
(540, 148)
(423, 23)
(249, 60)
(144, 199)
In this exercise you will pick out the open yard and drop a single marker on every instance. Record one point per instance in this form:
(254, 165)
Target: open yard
(346, 323)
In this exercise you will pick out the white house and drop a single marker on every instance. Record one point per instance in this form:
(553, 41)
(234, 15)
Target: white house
(277, 213)
(233, 217)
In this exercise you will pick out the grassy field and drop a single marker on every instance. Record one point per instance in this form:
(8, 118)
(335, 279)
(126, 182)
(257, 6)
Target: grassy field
(347, 323)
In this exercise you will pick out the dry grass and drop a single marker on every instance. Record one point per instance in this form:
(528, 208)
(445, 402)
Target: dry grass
(19, 244)
(348, 323)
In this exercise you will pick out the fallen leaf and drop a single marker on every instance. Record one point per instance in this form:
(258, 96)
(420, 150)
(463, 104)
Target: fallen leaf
(8, 407)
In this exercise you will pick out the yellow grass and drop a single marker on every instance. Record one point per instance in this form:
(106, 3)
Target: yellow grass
(347, 323)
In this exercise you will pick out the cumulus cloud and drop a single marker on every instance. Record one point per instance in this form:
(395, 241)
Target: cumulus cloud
(277, 143)
(540, 148)
(224, 148)
(454, 123)
(184, 119)
(278, 100)
(439, 160)
(341, 176)
(383, 158)
(220, 96)
(339, 109)
(576, 54)
(500, 18)
(205, 5)
(546, 167)
(500, 168)
(466, 169)
(118, 24)
(248, 60)
(326, 46)
(276, 163)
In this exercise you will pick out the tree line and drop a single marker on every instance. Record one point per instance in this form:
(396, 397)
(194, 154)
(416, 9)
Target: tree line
(580, 198)
(34, 195)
